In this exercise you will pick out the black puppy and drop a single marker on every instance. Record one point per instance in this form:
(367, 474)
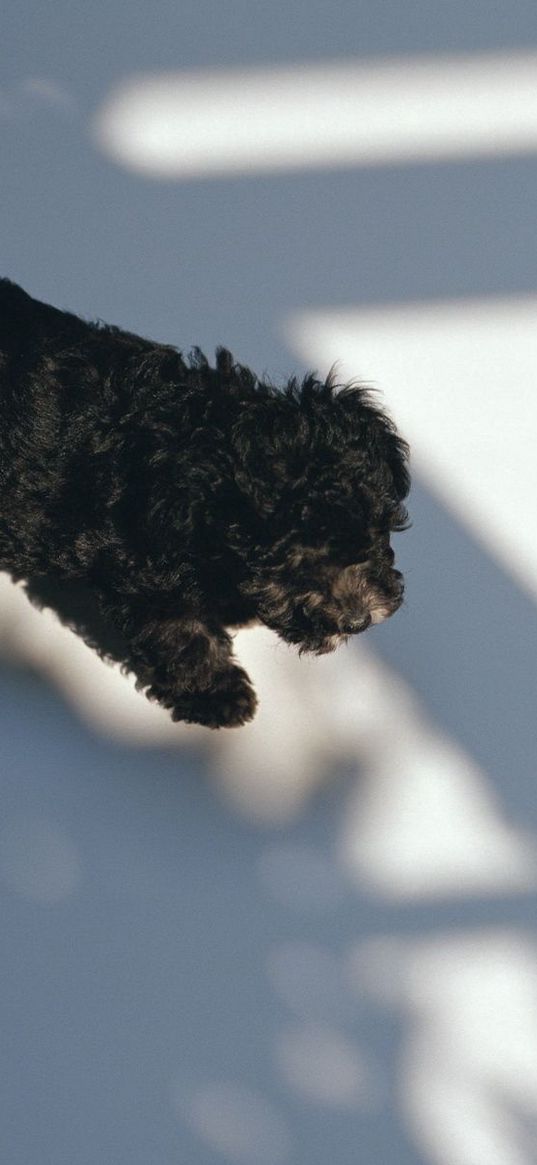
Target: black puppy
(190, 500)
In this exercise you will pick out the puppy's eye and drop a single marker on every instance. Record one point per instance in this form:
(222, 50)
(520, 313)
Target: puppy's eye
(399, 519)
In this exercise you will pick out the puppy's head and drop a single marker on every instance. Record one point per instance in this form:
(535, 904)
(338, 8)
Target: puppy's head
(323, 474)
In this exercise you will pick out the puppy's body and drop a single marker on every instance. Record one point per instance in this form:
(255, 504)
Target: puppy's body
(191, 499)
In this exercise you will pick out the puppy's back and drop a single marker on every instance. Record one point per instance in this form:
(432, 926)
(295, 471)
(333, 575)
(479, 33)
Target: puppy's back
(25, 321)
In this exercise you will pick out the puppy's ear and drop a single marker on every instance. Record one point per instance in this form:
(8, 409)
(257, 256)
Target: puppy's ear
(377, 432)
(271, 442)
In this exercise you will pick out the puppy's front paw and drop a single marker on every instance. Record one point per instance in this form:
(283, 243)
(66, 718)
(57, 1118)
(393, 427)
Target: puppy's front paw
(230, 702)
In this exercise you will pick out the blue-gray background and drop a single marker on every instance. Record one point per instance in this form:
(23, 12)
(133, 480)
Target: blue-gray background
(155, 975)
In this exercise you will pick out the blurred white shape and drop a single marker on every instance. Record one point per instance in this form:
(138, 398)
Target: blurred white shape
(325, 1067)
(238, 1122)
(38, 860)
(460, 381)
(467, 1077)
(309, 706)
(300, 877)
(423, 821)
(265, 783)
(327, 114)
(105, 697)
(308, 978)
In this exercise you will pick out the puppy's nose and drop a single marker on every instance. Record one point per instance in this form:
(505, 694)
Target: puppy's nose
(353, 626)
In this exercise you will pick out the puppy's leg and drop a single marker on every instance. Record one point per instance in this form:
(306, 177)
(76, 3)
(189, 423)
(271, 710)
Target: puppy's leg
(199, 681)
(186, 666)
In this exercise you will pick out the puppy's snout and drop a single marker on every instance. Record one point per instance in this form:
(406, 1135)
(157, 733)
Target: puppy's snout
(354, 626)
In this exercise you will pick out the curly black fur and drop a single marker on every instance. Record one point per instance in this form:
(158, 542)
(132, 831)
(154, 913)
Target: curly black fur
(187, 500)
